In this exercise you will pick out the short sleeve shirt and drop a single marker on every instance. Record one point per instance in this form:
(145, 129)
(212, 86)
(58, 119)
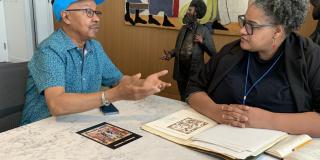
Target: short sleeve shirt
(59, 62)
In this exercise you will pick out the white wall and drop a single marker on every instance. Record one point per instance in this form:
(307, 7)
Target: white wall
(230, 9)
(43, 19)
(237, 7)
(27, 23)
(3, 35)
(20, 33)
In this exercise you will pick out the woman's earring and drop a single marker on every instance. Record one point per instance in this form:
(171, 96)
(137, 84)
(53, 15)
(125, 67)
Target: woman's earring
(273, 43)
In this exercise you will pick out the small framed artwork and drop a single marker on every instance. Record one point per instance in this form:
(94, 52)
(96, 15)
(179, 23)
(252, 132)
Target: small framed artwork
(109, 135)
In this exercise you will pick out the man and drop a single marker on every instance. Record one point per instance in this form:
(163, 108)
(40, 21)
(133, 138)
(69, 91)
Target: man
(192, 41)
(69, 67)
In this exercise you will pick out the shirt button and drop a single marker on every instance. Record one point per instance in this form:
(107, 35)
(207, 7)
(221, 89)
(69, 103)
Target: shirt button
(84, 79)
(80, 62)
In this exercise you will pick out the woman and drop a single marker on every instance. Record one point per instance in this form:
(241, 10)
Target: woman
(270, 78)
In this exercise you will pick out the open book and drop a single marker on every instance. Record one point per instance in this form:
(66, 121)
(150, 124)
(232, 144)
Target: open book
(310, 151)
(288, 145)
(190, 128)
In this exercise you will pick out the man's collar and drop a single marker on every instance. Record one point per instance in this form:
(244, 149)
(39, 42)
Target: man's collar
(64, 41)
(67, 44)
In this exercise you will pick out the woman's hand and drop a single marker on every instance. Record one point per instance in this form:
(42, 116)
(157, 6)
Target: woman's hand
(234, 115)
(259, 118)
(245, 116)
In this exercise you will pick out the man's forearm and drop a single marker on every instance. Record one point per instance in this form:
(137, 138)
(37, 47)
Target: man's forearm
(68, 103)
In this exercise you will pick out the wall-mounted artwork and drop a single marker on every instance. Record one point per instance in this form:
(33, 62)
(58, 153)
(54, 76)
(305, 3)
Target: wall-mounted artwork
(221, 14)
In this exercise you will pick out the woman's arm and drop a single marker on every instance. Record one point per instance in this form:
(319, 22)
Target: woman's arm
(202, 103)
(297, 123)
(293, 123)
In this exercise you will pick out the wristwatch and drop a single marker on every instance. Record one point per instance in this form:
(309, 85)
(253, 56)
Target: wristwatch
(104, 100)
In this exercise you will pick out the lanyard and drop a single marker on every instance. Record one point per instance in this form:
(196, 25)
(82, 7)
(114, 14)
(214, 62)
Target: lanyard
(246, 92)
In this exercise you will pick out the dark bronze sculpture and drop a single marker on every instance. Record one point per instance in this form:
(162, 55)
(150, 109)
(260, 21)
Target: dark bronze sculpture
(193, 40)
(316, 16)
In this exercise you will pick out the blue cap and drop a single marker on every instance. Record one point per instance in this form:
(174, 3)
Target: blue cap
(61, 5)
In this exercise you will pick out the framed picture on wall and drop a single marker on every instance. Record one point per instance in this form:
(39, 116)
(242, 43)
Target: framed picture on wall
(221, 15)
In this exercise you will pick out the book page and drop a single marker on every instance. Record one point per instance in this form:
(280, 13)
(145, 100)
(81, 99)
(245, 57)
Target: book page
(182, 124)
(240, 139)
(310, 151)
(286, 146)
(220, 149)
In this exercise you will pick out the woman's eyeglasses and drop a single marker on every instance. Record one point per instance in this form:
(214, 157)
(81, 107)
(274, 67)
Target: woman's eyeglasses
(90, 12)
(249, 26)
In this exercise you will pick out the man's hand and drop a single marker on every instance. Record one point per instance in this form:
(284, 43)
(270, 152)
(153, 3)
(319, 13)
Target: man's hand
(153, 81)
(134, 88)
(198, 39)
(167, 55)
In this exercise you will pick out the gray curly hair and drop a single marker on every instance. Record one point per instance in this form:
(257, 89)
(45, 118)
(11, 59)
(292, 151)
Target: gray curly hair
(288, 13)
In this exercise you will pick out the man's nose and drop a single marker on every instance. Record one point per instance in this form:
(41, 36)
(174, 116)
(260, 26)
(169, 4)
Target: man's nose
(96, 18)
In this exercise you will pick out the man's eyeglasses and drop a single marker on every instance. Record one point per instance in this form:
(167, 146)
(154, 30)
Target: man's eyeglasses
(249, 26)
(90, 12)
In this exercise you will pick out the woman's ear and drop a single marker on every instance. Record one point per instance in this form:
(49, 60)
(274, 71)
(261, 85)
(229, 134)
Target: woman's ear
(279, 31)
(65, 17)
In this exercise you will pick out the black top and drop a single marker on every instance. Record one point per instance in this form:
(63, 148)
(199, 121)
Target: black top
(275, 84)
(292, 86)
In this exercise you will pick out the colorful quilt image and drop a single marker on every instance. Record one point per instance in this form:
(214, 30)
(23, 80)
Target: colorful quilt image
(169, 13)
(109, 135)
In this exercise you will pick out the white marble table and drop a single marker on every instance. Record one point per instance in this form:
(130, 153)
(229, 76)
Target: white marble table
(55, 138)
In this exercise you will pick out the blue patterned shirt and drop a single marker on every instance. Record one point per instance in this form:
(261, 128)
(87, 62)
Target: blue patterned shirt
(59, 62)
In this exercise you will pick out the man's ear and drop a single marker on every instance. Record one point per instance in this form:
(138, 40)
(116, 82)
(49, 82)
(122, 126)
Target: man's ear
(65, 17)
